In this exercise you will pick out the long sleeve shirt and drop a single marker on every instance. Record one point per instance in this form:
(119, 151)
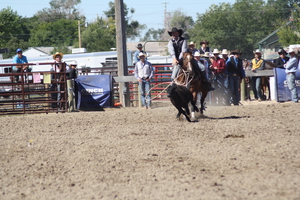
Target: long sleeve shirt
(279, 62)
(143, 70)
(257, 64)
(291, 65)
(181, 48)
(219, 66)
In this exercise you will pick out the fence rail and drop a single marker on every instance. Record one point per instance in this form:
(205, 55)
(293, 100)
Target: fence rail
(34, 92)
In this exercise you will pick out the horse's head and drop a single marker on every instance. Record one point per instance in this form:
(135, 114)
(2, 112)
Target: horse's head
(186, 62)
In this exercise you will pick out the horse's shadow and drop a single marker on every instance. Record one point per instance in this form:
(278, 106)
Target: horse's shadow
(217, 118)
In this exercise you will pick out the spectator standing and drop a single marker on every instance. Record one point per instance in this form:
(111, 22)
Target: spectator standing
(72, 75)
(192, 48)
(73, 71)
(204, 48)
(257, 63)
(236, 73)
(218, 68)
(290, 70)
(19, 58)
(224, 54)
(202, 72)
(137, 52)
(282, 60)
(143, 73)
(176, 47)
(58, 67)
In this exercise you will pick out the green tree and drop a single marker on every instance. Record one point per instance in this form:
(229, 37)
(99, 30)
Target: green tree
(181, 21)
(62, 31)
(240, 25)
(153, 34)
(133, 27)
(99, 36)
(290, 32)
(60, 9)
(13, 32)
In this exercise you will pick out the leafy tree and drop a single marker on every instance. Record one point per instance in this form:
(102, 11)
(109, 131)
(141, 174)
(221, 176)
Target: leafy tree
(182, 21)
(133, 27)
(153, 34)
(13, 32)
(290, 32)
(99, 36)
(60, 9)
(240, 25)
(55, 33)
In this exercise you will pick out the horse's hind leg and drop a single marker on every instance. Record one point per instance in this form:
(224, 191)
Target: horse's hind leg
(202, 108)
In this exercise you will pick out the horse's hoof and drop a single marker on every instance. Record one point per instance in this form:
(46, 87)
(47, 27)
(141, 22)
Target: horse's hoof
(194, 119)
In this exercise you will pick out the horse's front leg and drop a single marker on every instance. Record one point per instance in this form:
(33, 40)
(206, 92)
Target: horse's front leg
(194, 107)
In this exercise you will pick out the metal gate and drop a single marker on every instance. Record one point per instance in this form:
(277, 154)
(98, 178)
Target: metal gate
(34, 92)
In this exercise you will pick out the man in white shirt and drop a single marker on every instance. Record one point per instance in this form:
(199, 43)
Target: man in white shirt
(143, 73)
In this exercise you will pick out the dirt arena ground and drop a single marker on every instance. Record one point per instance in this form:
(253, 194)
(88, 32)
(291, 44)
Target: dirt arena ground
(245, 152)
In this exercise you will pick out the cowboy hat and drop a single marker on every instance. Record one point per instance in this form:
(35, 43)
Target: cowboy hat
(216, 51)
(73, 63)
(174, 29)
(293, 51)
(257, 51)
(224, 52)
(197, 53)
(206, 55)
(57, 53)
(281, 51)
(139, 45)
(141, 54)
(236, 51)
(204, 42)
(192, 43)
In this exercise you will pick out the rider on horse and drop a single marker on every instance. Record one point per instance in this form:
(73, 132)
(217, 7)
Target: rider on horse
(176, 47)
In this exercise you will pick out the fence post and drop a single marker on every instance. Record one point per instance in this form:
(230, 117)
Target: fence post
(242, 86)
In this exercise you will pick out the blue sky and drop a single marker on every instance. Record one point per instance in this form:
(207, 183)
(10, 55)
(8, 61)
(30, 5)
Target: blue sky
(150, 13)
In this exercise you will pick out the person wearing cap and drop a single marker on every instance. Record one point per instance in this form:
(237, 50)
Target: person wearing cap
(176, 47)
(192, 48)
(202, 71)
(143, 72)
(59, 66)
(236, 73)
(204, 48)
(257, 63)
(218, 68)
(136, 53)
(73, 71)
(290, 69)
(19, 58)
(279, 62)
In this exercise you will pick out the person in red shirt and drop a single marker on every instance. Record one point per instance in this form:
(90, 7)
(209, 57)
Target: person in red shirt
(218, 68)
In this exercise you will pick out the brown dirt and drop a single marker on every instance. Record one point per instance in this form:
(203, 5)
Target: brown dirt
(244, 152)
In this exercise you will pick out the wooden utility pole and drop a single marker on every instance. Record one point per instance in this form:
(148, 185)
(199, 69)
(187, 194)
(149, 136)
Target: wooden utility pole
(124, 94)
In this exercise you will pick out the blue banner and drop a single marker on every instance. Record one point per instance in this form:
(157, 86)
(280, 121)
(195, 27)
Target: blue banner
(94, 92)
(283, 92)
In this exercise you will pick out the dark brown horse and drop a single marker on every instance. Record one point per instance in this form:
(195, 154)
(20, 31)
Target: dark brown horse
(187, 78)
